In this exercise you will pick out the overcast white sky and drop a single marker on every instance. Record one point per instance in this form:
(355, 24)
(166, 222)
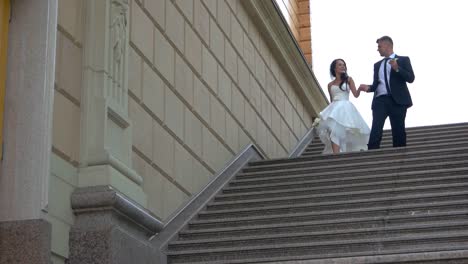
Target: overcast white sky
(432, 33)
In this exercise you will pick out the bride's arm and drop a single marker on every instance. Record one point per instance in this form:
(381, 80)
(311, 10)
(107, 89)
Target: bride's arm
(352, 86)
(329, 92)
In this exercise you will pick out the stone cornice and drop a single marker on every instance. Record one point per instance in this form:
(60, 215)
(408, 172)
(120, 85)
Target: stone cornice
(274, 29)
(104, 198)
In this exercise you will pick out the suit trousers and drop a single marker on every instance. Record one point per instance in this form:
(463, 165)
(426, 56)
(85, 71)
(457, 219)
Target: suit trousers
(382, 107)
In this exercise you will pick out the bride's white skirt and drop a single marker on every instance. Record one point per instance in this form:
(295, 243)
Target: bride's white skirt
(342, 124)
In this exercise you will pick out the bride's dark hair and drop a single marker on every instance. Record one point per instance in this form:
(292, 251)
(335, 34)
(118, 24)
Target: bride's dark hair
(344, 75)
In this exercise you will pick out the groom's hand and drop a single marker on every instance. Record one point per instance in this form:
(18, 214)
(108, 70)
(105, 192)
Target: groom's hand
(363, 87)
(394, 64)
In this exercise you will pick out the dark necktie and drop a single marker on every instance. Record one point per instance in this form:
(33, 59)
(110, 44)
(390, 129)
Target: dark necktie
(385, 75)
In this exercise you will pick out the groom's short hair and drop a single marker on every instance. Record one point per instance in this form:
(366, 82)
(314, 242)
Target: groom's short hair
(385, 38)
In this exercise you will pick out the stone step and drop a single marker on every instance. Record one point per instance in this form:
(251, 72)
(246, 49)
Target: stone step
(355, 180)
(382, 156)
(435, 127)
(446, 128)
(412, 138)
(424, 133)
(328, 219)
(322, 172)
(318, 148)
(363, 183)
(431, 257)
(424, 145)
(450, 240)
(428, 130)
(437, 256)
(322, 235)
(370, 153)
(340, 196)
(216, 212)
(301, 222)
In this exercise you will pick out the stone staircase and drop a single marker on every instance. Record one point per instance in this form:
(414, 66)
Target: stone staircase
(392, 205)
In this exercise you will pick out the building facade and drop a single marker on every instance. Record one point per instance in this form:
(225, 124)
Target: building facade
(297, 15)
(143, 100)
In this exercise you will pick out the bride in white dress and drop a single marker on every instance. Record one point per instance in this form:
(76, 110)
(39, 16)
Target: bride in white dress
(341, 127)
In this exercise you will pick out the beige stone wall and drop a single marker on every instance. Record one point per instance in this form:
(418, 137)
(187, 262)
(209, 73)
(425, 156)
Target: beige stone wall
(203, 84)
(66, 124)
(63, 180)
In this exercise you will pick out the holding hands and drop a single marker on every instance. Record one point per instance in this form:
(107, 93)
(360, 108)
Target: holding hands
(363, 87)
(393, 63)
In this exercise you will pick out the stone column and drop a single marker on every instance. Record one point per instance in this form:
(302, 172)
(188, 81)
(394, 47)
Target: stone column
(24, 178)
(24, 171)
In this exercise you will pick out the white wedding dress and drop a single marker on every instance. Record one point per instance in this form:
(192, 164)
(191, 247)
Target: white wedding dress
(341, 123)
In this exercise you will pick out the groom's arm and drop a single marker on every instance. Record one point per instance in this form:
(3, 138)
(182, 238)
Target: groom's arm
(405, 69)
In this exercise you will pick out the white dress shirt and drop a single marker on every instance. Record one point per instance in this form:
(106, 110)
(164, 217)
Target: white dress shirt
(381, 89)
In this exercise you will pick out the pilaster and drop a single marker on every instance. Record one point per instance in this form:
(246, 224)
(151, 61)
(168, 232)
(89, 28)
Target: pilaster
(106, 128)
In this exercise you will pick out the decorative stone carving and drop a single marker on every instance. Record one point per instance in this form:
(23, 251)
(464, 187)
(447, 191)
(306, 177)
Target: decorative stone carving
(119, 47)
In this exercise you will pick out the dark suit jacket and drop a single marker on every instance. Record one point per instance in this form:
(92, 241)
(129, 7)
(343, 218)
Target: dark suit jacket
(398, 80)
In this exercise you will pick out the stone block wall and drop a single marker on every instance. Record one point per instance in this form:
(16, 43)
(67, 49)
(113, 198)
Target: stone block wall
(203, 84)
(66, 125)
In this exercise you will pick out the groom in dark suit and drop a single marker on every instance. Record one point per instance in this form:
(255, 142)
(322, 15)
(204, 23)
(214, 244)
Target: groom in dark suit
(391, 94)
